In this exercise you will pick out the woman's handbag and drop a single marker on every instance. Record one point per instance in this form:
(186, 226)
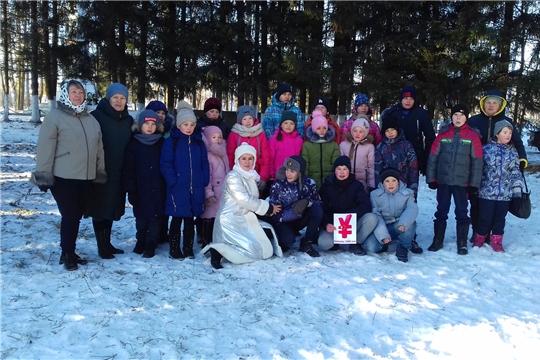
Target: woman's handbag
(523, 209)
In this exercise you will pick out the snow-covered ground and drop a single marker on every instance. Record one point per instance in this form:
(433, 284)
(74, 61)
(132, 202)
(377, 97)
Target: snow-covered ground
(341, 306)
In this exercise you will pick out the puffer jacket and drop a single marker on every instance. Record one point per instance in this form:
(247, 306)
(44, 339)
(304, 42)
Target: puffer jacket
(389, 208)
(290, 145)
(331, 124)
(272, 116)
(362, 157)
(255, 137)
(204, 121)
(456, 158)
(219, 167)
(501, 178)
(346, 196)
(184, 164)
(399, 154)
(374, 130)
(69, 146)
(320, 154)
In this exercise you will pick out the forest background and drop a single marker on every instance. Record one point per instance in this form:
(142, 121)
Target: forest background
(238, 51)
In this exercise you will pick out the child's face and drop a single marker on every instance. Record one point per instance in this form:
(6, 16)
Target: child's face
(391, 184)
(407, 102)
(362, 109)
(212, 114)
(391, 133)
(149, 127)
(491, 107)
(291, 175)
(161, 115)
(288, 126)
(246, 162)
(285, 97)
(321, 130)
(504, 136)
(342, 172)
(187, 127)
(358, 133)
(248, 121)
(458, 119)
(322, 109)
(217, 139)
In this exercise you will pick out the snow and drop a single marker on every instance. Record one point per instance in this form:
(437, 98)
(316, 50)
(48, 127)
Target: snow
(482, 305)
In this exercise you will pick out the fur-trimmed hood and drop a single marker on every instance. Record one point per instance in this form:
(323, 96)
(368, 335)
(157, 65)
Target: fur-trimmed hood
(314, 137)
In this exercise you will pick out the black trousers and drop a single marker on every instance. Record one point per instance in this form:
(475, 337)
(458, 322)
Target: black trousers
(71, 196)
(148, 229)
(176, 225)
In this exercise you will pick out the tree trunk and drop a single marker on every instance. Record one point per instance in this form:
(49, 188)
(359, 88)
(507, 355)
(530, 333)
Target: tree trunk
(170, 49)
(5, 42)
(504, 47)
(34, 59)
(122, 73)
(54, 52)
(141, 76)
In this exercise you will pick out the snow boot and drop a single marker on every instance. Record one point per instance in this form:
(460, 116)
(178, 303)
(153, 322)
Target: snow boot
(305, 246)
(478, 240)
(70, 262)
(163, 233)
(188, 246)
(103, 249)
(174, 248)
(80, 260)
(198, 229)
(402, 253)
(140, 245)
(357, 249)
(336, 247)
(439, 229)
(496, 243)
(112, 249)
(210, 230)
(150, 246)
(462, 232)
(415, 248)
(215, 259)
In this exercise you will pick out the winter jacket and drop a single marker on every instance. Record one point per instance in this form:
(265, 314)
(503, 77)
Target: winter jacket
(343, 197)
(272, 116)
(219, 167)
(485, 124)
(418, 130)
(456, 157)
(168, 124)
(331, 124)
(238, 234)
(287, 193)
(143, 180)
(389, 208)
(290, 145)
(362, 157)
(399, 154)
(184, 164)
(374, 130)
(108, 201)
(204, 121)
(501, 178)
(69, 146)
(320, 154)
(255, 137)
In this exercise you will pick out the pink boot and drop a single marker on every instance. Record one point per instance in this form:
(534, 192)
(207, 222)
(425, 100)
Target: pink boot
(496, 243)
(479, 240)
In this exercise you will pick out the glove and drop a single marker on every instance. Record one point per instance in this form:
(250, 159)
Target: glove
(300, 206)
(472, 190)
(522, 165)
(132, 198)
(516, 202)
(262, 185)
(43, 188)
(473, 198)
(433, 185)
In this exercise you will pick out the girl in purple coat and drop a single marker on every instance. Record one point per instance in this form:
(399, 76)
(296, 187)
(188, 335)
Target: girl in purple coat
(219, 167)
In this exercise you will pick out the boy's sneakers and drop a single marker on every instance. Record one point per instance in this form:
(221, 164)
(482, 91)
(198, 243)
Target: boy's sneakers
(305, 246)
(415, 248)
(402, 253)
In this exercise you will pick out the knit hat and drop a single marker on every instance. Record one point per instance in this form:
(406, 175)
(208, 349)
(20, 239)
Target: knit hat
(363, 122)
(408, 91)
(156, 106)
(318, 121)
(390, 171)
(361, 99)
(389, 123)
(116, 88)
(245, 148)
(245, 110)
(494, 97)
(184, 113)
(342, 161)
(323, 102)
(460, 108)
(148, 115)
(212, 103)
(283, 88)
(288, 115)
(210, 131)
(499, 125)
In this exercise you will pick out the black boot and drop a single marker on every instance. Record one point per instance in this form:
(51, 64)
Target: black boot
(415, 248)
(202, 233)
(163, 233)
(70, 262)
(305, 246)
(149, 250)
(402, 253)
(208, 231)
(357, 249)
(439, 228)
(188, 246)
(103, 249)
(198, 229)
(462, 233)
(80, 260)
(140, 245)
(112, 249)
(174, 244)
(215, 259)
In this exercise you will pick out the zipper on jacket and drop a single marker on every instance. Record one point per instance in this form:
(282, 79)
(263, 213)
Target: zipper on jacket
(87, 149)
(190, 166)
(62, 155)
(173, 202)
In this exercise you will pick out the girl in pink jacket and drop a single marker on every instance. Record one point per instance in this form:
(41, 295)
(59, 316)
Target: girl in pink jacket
(285, 142)
(219, 167)
(361, 151)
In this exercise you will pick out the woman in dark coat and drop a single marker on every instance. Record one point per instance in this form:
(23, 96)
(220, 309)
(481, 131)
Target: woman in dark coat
(107, 202)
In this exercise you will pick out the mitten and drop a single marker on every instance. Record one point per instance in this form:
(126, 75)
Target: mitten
(433, 185)
(43, 188)
(262, 185)
(472, 190)
(300, 206)
(522, 165)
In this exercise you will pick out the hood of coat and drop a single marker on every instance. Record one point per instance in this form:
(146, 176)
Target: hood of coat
(282, 105)
(220, 150)
(314, 137)
(495, 93)
(107, 108)
(397, 139)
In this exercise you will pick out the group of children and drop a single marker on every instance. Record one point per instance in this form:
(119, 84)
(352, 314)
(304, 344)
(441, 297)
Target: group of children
(198, 153)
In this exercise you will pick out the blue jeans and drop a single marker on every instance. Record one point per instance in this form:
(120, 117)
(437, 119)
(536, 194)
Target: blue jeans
(404, 239)
(311, 218)
(444, 197)
(364, 226)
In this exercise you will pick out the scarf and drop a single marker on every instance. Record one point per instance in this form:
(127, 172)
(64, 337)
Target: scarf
(251, 174)
(64, 100)
(148, 139)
